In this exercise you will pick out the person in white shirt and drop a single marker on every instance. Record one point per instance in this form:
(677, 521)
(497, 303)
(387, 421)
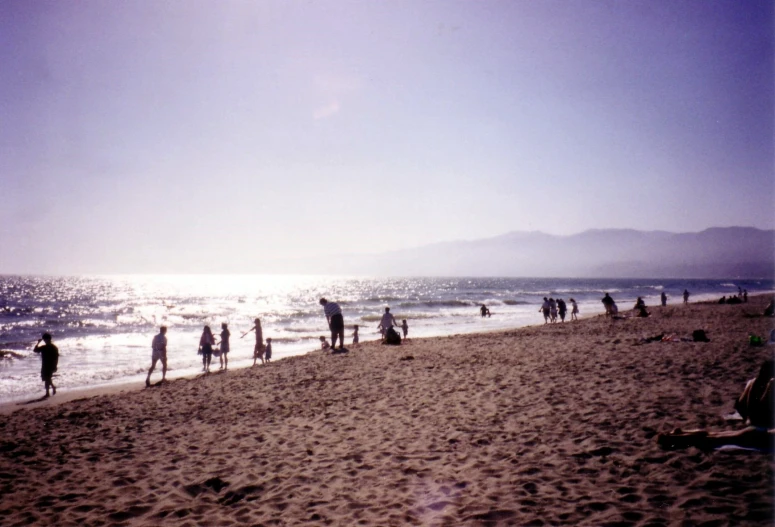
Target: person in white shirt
(388, 321)
(159, 353)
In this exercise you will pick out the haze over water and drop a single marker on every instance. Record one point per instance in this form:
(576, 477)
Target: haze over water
(103, 325)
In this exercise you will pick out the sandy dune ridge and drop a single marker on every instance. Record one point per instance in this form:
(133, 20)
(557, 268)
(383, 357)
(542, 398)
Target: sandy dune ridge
(542, 425)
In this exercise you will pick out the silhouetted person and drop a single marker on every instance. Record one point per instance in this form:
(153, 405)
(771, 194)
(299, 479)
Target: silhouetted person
(574, 313)
(356, 338)
(335, 321)
(686, 296)
(639, 303)
(388, 321)
(225, 346)
(663, 297)
(745, 296)
(608, 304)
(561, 309)
(206, 342)
(405, 327)
(158, 353)
(258, 349)
(268, 350)
(545, 310)
(485, 311)
(49, 355)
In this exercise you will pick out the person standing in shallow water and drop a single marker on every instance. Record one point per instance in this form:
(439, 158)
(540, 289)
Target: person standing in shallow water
(206, 342)
(686, 296)
(225, 335)
(49, 355)
(158, 353)
(335, 322)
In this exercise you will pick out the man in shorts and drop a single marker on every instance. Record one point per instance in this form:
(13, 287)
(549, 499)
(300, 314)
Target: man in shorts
(159, 353)
(335, 322)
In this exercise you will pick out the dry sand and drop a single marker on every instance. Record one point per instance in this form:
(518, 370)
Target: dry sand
(538, 426)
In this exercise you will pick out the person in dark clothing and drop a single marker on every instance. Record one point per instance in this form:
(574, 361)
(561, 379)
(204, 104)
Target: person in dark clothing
(49, 355)
(608, 303)
(561, 309)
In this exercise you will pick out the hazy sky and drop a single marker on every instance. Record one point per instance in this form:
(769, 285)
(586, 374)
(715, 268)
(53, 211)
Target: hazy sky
(152, 136)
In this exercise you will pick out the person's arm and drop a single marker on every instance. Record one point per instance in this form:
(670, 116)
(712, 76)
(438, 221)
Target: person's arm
(37, 347)
(248, 331)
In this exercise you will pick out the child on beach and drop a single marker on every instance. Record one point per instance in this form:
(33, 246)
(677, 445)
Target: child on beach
(224, 357)
(268, 350)
(324, 345)
(206, 342)
(49, 355)
(355, 335)
(405, 328)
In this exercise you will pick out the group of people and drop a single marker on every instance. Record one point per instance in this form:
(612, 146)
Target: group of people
(552, 308)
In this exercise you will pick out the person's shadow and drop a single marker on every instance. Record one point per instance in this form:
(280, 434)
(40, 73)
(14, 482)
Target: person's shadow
(34, 400)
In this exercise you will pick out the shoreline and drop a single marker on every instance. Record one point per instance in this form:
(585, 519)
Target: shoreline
(538, 425)
(124, 384)
(11, 406)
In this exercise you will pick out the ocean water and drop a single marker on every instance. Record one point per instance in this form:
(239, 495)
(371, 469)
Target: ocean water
(103, 325)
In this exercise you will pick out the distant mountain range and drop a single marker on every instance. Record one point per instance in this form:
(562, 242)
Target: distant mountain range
(729, 252)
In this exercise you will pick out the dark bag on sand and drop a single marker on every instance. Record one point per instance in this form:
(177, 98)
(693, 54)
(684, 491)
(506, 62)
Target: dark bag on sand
(698, 335)
(392, 337)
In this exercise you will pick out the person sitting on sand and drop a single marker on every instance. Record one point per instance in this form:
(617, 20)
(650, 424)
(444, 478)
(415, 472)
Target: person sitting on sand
(561, 309)
(268, 350)
(756, 407)
(206, 342)
(225, 335)
(663, 298)
(642, 312)
(574, 313)
(639, 303)
(49, 356)
(388, 321)
(324, 345)
(608, 302)
(158, 353)
(755, 404)
(545, 310)
(356, 339)
(405, 327)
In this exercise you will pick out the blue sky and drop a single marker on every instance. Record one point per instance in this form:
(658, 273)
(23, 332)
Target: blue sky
(144, 136)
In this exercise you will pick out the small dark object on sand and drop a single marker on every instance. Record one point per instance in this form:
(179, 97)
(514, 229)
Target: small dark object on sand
(698, 335)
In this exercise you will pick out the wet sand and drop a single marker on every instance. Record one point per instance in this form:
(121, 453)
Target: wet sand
(542, 425)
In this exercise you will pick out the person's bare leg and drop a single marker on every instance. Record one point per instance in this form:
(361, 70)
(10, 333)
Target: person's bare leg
(341, 340)
(225, 361)
(150, 371)
(163, 370)
(46, 384)
(53, 388)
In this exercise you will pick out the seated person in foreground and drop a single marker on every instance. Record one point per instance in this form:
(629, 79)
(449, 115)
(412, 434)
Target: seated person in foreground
(756, 407)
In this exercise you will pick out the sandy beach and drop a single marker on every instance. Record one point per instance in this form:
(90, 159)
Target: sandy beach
(542, 425)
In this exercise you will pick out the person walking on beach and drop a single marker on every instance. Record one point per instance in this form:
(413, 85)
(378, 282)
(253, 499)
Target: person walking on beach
(608, 304)
(49, 355)
(574, 314)
(258, 349)
(206, 342)
(561, 309)
(545, 310)
(388, 321)
(224, 345)
(552, 310)
(686, 296)
(335, 321)
(663, 297)
(158, 353)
